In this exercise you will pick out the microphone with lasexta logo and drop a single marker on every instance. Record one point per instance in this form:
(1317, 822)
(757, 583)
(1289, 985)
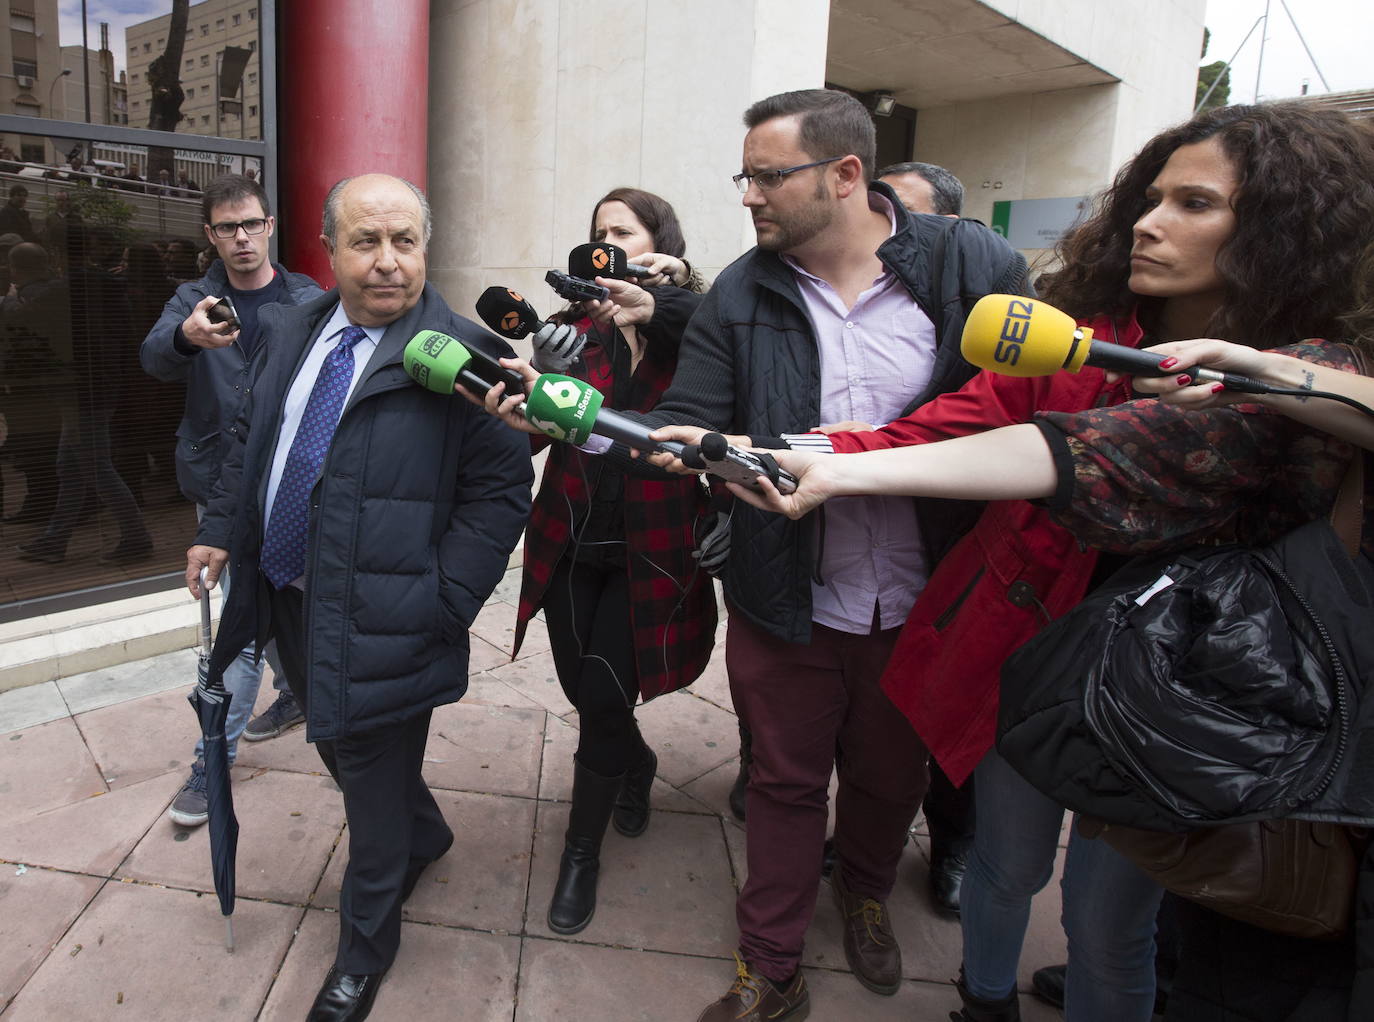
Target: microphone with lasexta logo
(571, 411)
(1014, 336)
(602, 259)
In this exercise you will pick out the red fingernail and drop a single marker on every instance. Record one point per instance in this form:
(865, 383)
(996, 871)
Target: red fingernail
(1168, 363)
(1217, 388)
(1183, 379)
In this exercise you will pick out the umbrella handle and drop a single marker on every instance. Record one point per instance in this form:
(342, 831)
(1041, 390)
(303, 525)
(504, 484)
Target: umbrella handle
(229, 934)
(204, 612)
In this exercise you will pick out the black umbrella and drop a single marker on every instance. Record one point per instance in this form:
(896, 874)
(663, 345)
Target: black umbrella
(211, 703)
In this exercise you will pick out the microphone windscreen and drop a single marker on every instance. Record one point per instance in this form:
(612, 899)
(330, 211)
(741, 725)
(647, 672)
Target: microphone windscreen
(563, 408)
(598, 259)
(1016, 336)
(507, 312)
(433, 360)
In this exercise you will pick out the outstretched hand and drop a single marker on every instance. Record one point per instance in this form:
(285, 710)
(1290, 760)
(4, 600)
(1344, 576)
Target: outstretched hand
(498, 403)
(816, 483)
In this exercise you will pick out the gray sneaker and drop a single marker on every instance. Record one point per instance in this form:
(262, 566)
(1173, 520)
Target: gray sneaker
(277, 719)
(191, 807)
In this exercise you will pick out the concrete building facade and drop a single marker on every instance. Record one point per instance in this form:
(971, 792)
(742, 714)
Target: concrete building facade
(538, 108)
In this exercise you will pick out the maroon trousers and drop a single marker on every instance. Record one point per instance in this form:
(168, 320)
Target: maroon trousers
(802, 704)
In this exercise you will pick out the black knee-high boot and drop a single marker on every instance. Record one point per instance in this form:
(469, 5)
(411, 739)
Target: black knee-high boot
(631, 816)
(574, 896)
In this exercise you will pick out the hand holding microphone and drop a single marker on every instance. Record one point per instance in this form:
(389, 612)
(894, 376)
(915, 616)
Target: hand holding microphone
(556, 346)
(1015, 336)
(1178, 388)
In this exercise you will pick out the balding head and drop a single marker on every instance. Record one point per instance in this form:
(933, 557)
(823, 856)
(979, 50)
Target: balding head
(375, 230)
(29, 262)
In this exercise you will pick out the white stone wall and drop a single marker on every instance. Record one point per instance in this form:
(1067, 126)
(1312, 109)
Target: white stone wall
(1071, 142)
(537, 108)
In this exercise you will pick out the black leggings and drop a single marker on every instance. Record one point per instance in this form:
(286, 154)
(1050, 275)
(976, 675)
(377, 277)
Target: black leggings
(587, 611)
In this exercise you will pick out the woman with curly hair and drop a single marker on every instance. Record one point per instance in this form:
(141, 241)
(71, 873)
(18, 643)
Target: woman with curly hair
(1249, 223)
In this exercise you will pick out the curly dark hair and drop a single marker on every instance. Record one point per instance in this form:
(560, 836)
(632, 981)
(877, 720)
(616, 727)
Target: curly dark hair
(1299, 261)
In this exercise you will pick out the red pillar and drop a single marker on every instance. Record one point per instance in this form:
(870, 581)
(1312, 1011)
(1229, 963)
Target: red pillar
(354, 89)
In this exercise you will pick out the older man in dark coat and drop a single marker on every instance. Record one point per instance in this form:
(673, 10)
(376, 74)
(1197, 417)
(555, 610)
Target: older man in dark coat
(376, 518)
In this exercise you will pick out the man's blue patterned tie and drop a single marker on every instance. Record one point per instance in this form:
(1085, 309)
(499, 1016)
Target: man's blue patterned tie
(283, 546)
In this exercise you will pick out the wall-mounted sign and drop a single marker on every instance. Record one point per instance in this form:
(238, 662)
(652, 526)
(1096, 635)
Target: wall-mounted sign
(1037, 223)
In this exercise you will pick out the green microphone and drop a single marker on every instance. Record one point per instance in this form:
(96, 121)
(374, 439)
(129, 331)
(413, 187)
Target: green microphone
(437, 362)
(563, 408)
(570, 410)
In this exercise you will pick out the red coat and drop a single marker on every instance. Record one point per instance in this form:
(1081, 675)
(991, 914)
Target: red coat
(672, 603)
(1015, 571)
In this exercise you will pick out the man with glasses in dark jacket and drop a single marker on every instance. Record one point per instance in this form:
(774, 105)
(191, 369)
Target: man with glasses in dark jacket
(849, 310)
(217, 360)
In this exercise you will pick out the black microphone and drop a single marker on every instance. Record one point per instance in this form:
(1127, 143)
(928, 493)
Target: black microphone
(508, 313)
(602, 259)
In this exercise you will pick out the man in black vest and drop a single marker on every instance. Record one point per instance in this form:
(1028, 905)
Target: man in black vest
(849, 310)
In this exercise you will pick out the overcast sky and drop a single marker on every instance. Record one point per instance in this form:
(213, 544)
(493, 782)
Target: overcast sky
(1340, 34)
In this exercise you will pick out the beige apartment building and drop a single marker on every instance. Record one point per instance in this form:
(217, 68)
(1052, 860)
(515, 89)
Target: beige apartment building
(212, 28)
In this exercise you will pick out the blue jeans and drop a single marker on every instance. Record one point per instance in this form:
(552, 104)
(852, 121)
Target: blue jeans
(1109, 904)
(241, 680)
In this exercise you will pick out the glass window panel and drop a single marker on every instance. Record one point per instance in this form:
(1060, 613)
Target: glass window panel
(121, 81)
(88, 440)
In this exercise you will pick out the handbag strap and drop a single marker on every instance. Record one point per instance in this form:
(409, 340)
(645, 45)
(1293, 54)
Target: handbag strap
(1347, 514)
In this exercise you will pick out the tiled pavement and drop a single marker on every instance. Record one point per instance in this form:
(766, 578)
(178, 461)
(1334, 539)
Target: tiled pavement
(105, 911)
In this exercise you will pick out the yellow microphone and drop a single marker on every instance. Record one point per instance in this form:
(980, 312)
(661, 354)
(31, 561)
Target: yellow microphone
(1016, 336)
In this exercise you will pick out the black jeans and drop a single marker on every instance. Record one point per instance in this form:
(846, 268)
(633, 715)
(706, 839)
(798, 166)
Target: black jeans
(587, 610)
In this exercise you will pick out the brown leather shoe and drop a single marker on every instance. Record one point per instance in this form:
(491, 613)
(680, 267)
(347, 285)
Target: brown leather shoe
(752, 998)
(869, 944)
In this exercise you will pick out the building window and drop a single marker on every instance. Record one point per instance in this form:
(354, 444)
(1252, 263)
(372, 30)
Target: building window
(252, 45)
(252, 111)
(219, 24)
(205, 60)
(133, 77)
(138, 103)
(147, 47)
(21, 22)
(26, 67)
(204, 29)
(252, 78)
(204, 118)
(190, 64)
(237, 19)
(252, 13)
(162, 44)
(191, 92)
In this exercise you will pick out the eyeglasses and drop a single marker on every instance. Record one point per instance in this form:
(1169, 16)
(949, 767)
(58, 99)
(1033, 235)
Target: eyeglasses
(767, 180)
(230, 228)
